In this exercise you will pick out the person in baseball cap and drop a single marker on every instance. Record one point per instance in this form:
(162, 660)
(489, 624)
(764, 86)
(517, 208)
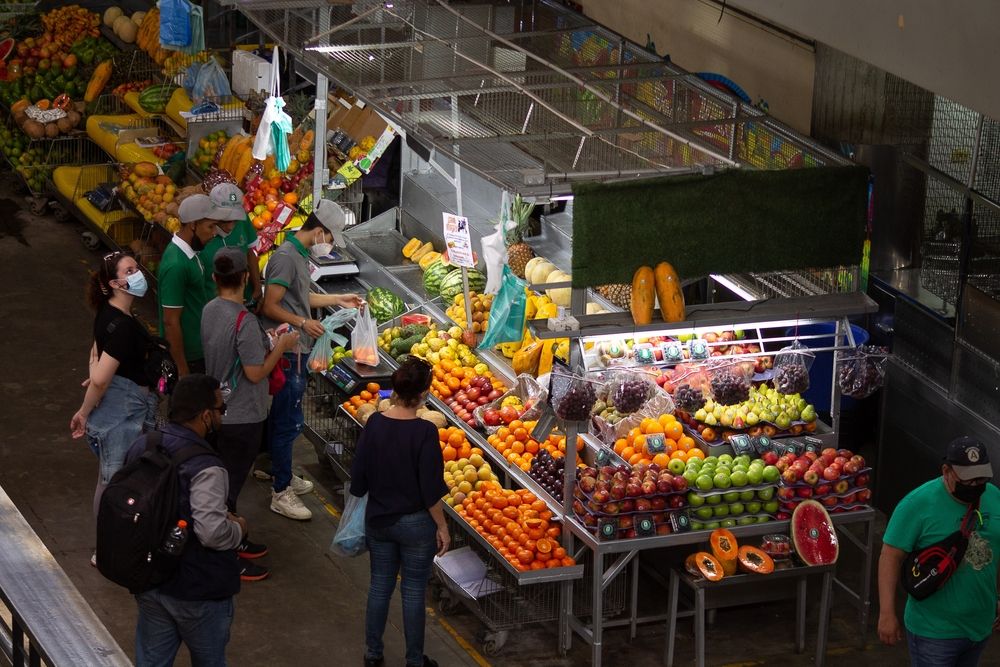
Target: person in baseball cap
(332, 217)
(201, 207)
(233, 231)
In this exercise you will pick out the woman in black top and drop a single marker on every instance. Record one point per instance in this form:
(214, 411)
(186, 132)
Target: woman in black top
(398, 463)
(118, 403)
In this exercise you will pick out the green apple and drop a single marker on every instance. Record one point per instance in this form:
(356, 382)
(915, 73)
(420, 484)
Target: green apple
(704, 482)
(711, 460)
(746, 520)
(704, 513)
(747, 496)
(694, 500)
(771, 507)
(753, 507)
(739, 478)
(711, 526)
(721, 510)
(766, 493)
(697, 525)
(713, 499)
(726, 459)
(755, 475)
(771, 474)
(691, 476)
(763, 518)
(676, 466)
(727, 523)
(736, 508)
(730, 497)
(721, 481)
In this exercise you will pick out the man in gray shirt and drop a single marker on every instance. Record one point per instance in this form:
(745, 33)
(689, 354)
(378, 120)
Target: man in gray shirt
(288, 299)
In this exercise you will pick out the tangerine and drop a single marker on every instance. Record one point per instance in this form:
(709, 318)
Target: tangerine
(449, 453)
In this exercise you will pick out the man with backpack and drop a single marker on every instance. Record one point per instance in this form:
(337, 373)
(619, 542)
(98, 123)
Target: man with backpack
(950, 626)
(192, 597)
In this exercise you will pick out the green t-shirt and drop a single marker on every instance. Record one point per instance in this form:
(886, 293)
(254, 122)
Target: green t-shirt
(966, 606)
(243, 236)
(181, 284)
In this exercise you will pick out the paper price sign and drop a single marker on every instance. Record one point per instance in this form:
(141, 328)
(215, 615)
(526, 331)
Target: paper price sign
(456, 238)
(762, 444)
(742, 444)
(655, 443)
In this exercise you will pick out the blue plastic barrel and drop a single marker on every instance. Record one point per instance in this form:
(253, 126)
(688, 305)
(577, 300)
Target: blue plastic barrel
(821, 373)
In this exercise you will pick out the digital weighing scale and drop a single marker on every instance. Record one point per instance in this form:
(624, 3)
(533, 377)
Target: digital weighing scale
(348, 375)
(338, 263)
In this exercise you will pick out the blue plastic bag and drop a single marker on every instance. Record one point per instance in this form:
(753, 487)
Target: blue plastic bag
(349, 540)
(506, 323)
(211, 83)
(175, 23)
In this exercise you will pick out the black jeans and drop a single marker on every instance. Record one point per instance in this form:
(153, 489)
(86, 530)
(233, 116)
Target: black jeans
(238, 447)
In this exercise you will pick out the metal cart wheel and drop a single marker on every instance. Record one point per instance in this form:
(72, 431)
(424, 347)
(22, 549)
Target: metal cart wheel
(37, 204)
(60, 212)
(447, 603)
(493, 642)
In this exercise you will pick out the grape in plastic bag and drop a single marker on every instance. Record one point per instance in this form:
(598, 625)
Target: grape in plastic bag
(629, 391)
(573, 397)
(791, 368)
(688, 398)
(863, 372)
(730, 384)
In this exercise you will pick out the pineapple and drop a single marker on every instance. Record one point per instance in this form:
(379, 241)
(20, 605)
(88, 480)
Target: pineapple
(519, 253)
(618, 294)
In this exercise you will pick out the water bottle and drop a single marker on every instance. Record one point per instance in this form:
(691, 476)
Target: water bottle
(176, 538)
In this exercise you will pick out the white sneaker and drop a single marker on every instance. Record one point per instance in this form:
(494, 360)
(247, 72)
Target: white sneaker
(300, 486)
(288, 504)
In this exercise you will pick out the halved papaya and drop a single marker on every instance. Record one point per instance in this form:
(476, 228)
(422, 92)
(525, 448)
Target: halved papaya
(754, 560)
(725, 549)
(704, 564)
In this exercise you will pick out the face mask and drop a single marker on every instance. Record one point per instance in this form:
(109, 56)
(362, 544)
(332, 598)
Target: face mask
(211, 434)
(968, 493)
(197, 244)
(321, 249)
(137, 284)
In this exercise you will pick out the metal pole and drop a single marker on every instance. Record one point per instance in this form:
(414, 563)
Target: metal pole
(321, 174)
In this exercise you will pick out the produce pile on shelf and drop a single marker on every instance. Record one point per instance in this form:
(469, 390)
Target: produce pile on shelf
(836, 478)
(515, 444)
(726, 557)
(152, 194)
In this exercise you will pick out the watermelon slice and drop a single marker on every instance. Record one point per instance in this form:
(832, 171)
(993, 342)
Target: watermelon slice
(6, 48)
(813, 534)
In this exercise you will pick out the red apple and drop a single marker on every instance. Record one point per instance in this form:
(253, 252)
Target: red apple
(643, 505)
(829, 501)
(830, 474)
(627, 505)
(680, 484)
(676, 501)
(648, 487)
(804, 492)
(841, 487)
(658, 503)
(811, 477)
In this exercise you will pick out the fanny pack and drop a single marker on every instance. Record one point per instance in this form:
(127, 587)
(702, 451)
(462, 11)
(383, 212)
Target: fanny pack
(927, 570)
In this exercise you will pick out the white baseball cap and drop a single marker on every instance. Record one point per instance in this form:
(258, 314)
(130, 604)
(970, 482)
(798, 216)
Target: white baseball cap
(333, 218)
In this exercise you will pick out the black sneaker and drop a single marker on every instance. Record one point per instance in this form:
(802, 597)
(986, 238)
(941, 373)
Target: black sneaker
(374, 662)
(253, 572)
(250, 550)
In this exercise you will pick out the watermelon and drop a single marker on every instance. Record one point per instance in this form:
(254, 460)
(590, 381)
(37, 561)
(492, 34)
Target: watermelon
(384, 305)
(813, 534)
(451, 284)
(433, 276)
(6, 48)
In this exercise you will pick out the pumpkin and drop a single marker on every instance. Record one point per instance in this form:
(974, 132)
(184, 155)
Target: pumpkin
(669, 293)
(643, 295)
(725, 549)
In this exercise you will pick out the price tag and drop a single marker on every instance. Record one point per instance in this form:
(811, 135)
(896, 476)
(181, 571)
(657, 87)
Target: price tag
(655, 443)
(607, 528)
(644, 355)
(644, 526)
(811, 446)
(762, 444)
(456, 238)
(679, 522)
(672, 352)
(742, 444)
(796, 447)
(698, 349)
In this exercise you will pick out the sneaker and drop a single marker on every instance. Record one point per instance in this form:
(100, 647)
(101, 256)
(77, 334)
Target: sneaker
(301, 486)
(288, 504)
(252, 571)
(250, 550)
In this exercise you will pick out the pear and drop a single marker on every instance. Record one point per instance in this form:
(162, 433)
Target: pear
(700, 414)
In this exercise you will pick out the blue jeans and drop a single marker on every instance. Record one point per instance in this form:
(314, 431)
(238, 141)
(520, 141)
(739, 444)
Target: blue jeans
(165, 622)
(406, 548)
(284, 424)
(928, 652)
(125, 410)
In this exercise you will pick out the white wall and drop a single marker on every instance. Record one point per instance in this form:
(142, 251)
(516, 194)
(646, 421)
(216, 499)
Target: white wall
(766, 64)
(949, 47)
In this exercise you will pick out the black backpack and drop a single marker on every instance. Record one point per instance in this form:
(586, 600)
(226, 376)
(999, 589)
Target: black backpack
(137, 511)
(158, 366)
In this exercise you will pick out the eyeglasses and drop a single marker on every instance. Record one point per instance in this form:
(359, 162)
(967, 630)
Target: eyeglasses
(221, 409)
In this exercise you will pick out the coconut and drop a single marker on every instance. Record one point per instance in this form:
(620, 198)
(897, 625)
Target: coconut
(34, 129)
(74, 118)
(64, 124)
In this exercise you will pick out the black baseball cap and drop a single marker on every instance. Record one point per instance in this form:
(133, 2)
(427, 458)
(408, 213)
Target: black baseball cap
(968, 458)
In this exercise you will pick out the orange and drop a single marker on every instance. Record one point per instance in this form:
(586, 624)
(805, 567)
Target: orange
(627, 453)
(559, 553)
(537, 565)
(635, 459)
(365, 395)
(661, 460)
(291, 198)
(555, 562)
(373, 387)
(516, 424)
(449, 453)
(674, 431)
(456, 439)
(464, 451)
(685, 443)
(654, 427)
(579, 444)
(568, 561)
(671, 445)
(543, 546)
(543, 556)
(531, 447)
(679, 454)
(620, 444)
(503, 432)
(553, 533)
(665, 419)
(520, 434)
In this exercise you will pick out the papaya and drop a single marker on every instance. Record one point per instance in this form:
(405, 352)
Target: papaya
(527, 358)
(705, 565)
(754, 560)
(668, 293)
(725, 549)
(411, 247)
(643, 295)
(145, 169)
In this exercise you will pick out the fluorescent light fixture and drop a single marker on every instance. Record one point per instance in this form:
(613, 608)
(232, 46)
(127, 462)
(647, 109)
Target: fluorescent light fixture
(733, 287)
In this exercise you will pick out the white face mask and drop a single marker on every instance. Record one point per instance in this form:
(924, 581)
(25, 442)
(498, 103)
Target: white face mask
(137, 284)
(321, 249)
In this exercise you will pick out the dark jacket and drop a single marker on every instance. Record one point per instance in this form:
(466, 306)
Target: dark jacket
(209, 567)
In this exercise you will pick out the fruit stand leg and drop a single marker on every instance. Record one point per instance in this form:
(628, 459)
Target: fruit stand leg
(699, 627)
(800, 616)
(824, 619)
(672, 619)
(596, 607)
(862, 598)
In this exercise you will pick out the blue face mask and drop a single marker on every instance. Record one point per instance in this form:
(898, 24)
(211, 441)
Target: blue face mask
(137, 284)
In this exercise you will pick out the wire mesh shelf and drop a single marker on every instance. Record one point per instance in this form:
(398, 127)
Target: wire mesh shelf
(529, 93)
(788, 284)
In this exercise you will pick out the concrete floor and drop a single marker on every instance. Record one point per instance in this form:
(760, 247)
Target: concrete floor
(310, 612)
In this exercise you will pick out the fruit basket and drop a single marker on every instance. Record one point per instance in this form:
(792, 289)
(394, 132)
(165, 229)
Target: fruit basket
(523, 401)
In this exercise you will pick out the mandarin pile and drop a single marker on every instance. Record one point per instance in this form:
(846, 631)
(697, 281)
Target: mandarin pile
(633, 447)
(514, 442)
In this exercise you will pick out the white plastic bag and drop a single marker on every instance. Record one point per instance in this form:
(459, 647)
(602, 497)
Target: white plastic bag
(495, 248)
(364, 338)
(349, 540)
(263, 144)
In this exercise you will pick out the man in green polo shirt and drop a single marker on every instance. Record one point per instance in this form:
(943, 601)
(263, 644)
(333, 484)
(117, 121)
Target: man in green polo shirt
(181, 288)
(951, 627)
(235, 232)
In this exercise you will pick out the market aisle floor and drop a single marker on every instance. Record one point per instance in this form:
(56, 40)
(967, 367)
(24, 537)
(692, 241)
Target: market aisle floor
(311, 611)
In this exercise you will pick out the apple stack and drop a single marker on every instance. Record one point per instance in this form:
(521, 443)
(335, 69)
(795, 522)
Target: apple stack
(626, 494)
(731, 491)
(838, 478)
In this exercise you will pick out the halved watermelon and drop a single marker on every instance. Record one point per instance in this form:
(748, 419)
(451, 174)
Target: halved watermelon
(813, 534)
(6, 48)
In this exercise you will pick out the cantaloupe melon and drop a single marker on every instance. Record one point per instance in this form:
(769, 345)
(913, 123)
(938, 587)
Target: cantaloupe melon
(138, 17)
(111, 14)
(127, 30)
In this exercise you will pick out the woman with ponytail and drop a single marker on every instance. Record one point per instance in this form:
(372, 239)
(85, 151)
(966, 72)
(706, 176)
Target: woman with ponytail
(118, 402)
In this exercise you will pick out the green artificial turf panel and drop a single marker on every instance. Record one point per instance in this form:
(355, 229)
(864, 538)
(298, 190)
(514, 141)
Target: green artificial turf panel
(736, 221)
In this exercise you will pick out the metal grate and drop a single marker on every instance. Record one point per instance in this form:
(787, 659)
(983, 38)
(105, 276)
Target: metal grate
(799, 283)
(528, 93)
(977, 382)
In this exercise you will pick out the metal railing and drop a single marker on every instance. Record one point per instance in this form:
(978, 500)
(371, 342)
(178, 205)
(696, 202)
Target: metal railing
(43, 617)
